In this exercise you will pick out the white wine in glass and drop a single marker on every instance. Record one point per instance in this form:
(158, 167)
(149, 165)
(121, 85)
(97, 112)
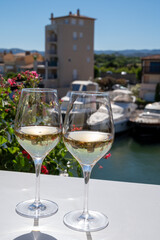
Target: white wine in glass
(38, 131)
(88, 135)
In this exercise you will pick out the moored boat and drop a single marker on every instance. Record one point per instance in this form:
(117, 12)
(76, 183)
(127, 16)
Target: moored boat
(123, 105)
(147, 122)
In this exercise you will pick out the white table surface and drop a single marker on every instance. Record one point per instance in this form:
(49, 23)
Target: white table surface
(133, 209)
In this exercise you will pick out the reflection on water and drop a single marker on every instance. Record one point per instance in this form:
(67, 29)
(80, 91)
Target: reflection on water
(131, 161)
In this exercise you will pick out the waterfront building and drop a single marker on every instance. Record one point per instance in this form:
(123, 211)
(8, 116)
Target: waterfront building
(150, 77)
(21, 61)
(69, 50)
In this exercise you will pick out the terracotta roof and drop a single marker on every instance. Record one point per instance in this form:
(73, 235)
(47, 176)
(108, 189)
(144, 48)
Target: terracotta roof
(152, 57)
(21, 54)
(71, 15)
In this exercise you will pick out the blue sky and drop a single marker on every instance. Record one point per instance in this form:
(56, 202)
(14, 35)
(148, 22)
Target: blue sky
(119, 25)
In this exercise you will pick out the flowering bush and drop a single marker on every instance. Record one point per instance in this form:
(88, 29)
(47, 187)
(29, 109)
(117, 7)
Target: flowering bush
(12, 155)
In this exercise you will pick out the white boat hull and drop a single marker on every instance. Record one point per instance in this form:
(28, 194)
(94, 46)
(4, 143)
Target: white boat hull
(121, 126)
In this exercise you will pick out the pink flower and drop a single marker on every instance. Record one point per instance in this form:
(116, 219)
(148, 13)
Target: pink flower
(107, 156)
(34, 73)
(19, 76)
(100, 166)
(26, 154)
(44, 169)
(11, 81)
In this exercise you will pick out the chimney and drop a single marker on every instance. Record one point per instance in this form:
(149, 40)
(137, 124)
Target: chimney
(70, 13)
(78, 12)
(51, 18)
(27, 53)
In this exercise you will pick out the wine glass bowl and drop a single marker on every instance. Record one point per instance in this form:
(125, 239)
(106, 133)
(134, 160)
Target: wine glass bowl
(88, 134)
(38, 131)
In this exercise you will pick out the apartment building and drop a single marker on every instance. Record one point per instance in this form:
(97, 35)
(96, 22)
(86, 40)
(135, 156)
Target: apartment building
(150, 76)
(69, 50)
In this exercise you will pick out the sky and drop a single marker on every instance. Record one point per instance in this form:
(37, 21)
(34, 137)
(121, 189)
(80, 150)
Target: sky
(119, 24)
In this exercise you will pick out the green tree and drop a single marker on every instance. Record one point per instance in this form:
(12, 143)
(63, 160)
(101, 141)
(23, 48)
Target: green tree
(106, 83)
(117, 62)
(157, 93)
(96, 72)
(135, 90)
(139, 74)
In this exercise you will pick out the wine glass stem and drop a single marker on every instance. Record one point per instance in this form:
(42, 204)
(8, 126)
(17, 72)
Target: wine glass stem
(86, 174)
(37, 189)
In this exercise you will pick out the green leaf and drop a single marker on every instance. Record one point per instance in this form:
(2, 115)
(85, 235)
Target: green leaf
(22, 162)
(13, 150)
(3, 114)
(2, 140)
(10, 130)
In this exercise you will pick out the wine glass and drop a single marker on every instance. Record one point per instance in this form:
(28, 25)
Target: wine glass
(88, 135)
(38, 131)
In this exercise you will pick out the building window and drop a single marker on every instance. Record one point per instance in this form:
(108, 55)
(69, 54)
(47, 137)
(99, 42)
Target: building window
(88, 47)
(88, 59)
(74, 47)
(154, 67)
(74, 35)
(66, 21)
(81, 22)
(81, 34)
(74, 74)
(73, 21)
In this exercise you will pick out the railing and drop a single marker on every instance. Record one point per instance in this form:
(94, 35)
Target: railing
(151, 81)
(41, 63)
(52, 64)
(151, 70)
(52, 52)
(52, 76)
(148, 86)
(42, 76)
(52, 39)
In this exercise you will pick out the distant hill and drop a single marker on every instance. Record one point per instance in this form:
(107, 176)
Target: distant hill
(130, 52)
(18, 50)
(127, 52)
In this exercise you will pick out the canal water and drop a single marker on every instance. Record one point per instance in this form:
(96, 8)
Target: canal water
(130, 161)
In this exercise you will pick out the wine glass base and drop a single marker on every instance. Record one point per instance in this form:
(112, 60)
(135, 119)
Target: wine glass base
(75, 220)
(28, 209)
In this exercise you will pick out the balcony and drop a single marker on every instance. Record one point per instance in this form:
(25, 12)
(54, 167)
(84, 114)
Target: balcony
(148, 86)
(52, 76)
(52, 64)
(151, 81)
(52, 39)
(151, 70)
(52, 52)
